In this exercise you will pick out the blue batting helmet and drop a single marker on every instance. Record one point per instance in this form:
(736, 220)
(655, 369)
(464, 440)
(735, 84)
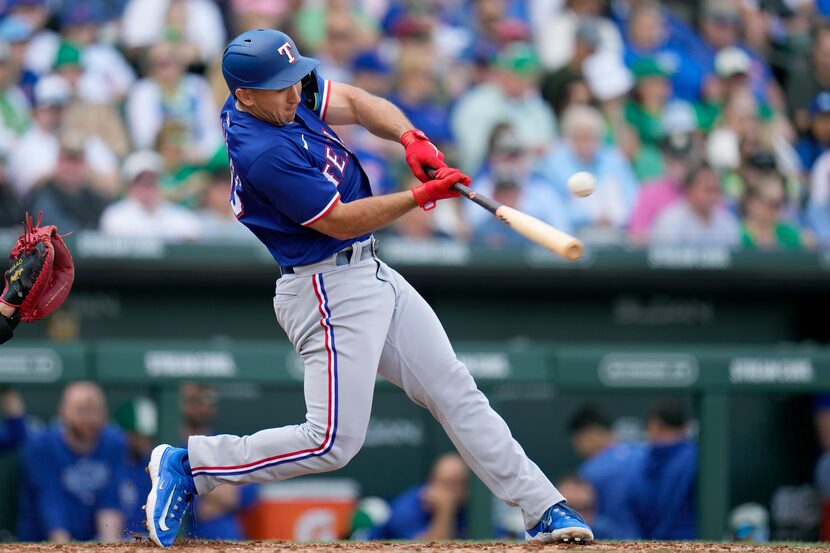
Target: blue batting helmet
(264, 59)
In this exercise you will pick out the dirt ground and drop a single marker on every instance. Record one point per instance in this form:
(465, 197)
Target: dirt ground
(374, 547)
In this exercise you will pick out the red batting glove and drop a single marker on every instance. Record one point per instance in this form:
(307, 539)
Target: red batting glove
(421, 154)
(439, 188)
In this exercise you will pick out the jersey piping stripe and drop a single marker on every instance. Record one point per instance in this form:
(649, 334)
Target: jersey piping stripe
(331, 418)
(324, 212)
(324, 107)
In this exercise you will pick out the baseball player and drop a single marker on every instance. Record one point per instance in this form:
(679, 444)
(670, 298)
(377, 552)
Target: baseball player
(303, 193)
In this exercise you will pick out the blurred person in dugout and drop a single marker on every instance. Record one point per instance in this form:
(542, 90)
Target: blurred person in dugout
(68, 198)
(821, 475)
(71, 472)
(661, 494)
(138, 419)
(681, 148)
(582, 496)
(144, 212)
(215, 515)
(698, 218)
(434, 510)
(606, 466)
(13, 430)
(602, 216)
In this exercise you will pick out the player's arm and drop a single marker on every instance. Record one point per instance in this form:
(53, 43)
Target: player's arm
(349, 105)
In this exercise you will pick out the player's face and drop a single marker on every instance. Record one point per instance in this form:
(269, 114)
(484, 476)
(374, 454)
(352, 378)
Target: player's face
(277, 107)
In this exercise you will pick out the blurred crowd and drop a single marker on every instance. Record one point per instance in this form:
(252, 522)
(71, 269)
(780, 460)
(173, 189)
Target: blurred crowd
(704, 122)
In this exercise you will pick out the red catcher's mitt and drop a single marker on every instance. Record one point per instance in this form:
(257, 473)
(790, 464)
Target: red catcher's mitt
(41, 273)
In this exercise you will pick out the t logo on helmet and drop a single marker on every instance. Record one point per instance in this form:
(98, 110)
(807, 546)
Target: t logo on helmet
(285, 50)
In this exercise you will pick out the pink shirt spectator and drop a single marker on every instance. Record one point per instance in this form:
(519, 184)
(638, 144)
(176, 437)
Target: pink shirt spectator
(653, 199)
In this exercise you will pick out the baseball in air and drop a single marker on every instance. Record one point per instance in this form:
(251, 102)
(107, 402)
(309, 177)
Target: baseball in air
(582, 184)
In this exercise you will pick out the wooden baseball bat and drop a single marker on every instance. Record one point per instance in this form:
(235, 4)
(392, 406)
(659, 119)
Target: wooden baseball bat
(530, 227)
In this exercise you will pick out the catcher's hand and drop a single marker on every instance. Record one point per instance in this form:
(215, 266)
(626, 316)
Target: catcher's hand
(41, 272)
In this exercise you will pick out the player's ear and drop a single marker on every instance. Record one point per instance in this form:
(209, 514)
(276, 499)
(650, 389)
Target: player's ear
(245, 97)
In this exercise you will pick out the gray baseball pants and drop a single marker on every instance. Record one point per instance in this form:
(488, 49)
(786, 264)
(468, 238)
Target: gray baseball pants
(349, 323)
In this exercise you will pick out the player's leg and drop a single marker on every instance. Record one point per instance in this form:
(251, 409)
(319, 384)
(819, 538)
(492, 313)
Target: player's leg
(419, 358)
(337, 322)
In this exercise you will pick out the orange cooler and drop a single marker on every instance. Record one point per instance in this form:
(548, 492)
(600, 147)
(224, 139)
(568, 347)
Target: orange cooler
(312, 509)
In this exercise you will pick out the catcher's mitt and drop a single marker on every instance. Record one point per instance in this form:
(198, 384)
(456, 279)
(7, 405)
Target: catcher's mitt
(41, 272)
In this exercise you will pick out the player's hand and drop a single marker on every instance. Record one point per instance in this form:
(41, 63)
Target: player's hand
(439, 188)
(421, 154)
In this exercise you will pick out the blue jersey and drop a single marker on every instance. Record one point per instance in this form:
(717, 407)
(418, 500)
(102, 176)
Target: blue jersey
(64, 490)
(286, 177)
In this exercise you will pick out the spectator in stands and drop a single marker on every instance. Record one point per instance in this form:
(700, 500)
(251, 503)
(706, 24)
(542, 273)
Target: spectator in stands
(431, 511)
(555, 35)
(138, 418)
(311, 18)
(68, 198)
(215, 514)
(35, 156)
(510, 95)
(609, 82)
(644, 113)
(720, 29)
(808, 77)
(607, 465)
(14, 106)
(417, 94)
(662, 493)
(343, 41)
(169, 94)
(698, 218)
(71, 473)
(11, 208)
(216, 217)
(43, 41)
(13, 430)
(194, 26)
(816, 139)
(144, 212)
(104, 76)
(17, 33)
(655, 196)
(508, 166)
(582, 497)
(763, 226)
(602, 215)
(647, 36)
(557, 86)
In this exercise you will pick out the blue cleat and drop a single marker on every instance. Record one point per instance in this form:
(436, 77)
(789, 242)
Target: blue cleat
(171, 493)
(560, 523)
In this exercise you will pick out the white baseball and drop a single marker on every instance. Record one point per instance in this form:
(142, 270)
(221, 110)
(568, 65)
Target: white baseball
(582, 184)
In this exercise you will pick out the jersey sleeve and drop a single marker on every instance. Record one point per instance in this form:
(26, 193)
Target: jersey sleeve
(296, 188)
(316, 93)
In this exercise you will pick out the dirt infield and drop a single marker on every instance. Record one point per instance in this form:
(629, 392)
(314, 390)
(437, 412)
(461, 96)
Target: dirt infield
(375, 547)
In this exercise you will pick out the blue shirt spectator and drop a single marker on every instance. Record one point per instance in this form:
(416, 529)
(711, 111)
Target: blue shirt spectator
(226, 526)
(138, 418)
(608, 466)
(430, 511)
(662, 494)
(409, 518)
(13, 429)
(63, 489)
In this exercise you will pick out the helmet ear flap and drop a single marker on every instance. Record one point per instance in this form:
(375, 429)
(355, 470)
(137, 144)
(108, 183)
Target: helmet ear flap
(311, 91)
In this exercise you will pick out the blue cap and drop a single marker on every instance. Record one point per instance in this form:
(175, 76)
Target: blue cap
(14, 29)
(369, 60)
(264, 59)
(820, 103)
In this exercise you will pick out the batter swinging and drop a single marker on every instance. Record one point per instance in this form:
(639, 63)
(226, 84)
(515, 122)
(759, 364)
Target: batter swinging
(349, 315)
